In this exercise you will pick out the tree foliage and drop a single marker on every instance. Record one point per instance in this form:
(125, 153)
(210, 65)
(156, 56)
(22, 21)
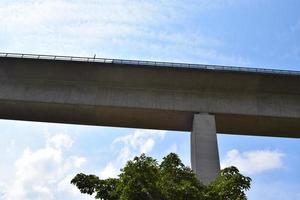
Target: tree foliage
(229, 185)
(144, 178)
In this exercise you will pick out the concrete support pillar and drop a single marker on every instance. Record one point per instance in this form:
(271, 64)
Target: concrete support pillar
(204, 148)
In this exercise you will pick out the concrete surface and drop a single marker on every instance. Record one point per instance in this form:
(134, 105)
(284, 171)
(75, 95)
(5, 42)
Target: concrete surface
(204, 148)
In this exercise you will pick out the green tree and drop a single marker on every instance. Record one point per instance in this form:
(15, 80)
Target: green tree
(138, 179)
(143, 178)
(229, 185)
(90, 184)
(177, 181)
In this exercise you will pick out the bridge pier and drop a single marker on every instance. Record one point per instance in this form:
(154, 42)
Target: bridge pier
(204, 148)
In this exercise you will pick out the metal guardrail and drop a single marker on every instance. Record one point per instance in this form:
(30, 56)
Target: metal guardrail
(150, 63)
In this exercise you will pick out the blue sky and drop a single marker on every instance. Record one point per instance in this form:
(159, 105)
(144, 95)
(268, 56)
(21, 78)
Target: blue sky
(39, 159)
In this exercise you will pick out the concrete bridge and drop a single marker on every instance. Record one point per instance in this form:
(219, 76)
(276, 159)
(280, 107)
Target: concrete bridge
(203, 99)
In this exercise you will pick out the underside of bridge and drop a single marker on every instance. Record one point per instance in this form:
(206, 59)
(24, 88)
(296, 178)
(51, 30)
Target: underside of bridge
(198, 98)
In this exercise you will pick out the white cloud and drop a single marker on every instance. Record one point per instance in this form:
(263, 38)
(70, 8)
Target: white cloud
(40, 174)
(36, 15)
(73, 22)
(128, 146)
(111, 28)
(109, 171)
(140, 141)
(253, 162)
(11, 146)
(60, 141)
(2, 189)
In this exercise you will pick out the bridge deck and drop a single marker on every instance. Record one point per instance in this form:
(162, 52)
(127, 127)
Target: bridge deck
(146, 94)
